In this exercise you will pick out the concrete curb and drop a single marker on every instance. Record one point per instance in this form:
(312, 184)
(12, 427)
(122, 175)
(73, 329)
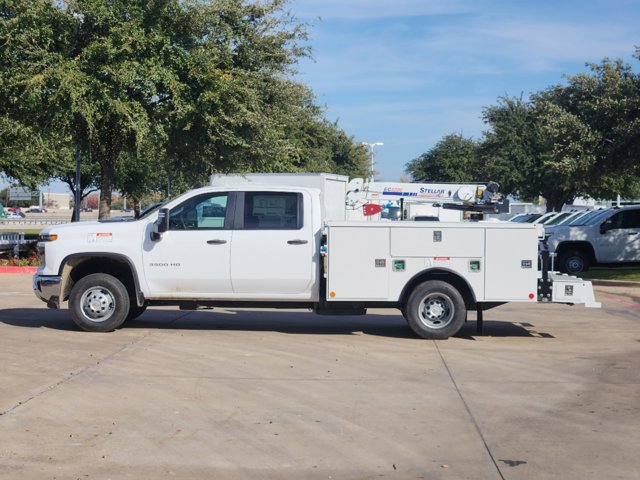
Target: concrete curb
(613, 283)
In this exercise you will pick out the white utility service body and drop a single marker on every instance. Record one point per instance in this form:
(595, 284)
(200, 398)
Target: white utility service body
(249, 243)
(376, 260)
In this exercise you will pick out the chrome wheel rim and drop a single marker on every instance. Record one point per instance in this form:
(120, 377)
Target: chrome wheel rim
(98, 304)
(436, 311)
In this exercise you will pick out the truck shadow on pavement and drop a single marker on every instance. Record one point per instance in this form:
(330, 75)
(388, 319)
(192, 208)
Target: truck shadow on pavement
(501, 328)
(296, 323)
(37, 318)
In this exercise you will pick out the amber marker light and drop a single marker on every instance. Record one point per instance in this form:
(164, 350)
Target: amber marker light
(47, 237)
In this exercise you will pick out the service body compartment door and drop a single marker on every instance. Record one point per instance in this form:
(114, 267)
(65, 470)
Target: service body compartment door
(440, 241)
(359, 263)
(511, 266)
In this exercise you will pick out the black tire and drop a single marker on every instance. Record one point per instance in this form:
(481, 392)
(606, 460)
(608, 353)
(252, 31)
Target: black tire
(99, 303)
(573, 262)
(135, 311)
(435, 310)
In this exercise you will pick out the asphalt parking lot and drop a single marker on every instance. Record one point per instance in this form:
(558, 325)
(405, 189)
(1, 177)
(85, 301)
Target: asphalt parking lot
(550, 392)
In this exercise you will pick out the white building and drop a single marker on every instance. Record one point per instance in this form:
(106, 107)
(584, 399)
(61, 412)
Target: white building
(57, 201)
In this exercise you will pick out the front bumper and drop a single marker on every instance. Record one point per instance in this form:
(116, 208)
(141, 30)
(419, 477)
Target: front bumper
(47, 288)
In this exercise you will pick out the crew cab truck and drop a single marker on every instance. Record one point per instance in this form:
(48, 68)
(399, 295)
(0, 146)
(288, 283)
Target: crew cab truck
(252, 245)
(608, 237)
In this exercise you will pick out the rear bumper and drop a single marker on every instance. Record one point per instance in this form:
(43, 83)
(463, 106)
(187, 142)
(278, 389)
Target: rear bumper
(569, 289)
(47, 288)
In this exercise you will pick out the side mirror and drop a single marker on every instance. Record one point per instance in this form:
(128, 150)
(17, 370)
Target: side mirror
(161, 225)
(605, 227)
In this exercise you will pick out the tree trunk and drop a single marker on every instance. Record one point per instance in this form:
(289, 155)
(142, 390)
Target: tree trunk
(74, 212)
(107, 156)
(107, 168)
(136, 207)
(557, 200)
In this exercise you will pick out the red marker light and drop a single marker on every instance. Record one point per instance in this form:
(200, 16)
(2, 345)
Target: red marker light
(531, 296)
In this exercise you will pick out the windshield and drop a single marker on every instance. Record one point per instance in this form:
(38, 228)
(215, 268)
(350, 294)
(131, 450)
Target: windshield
(573, 217)
(554, 218)
(150, 209)
(558, 218)
(600, 218)
(590, 218)
(544, 218)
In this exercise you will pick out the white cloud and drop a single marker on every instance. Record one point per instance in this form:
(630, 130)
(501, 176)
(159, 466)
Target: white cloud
(530, 45)
(473, 43)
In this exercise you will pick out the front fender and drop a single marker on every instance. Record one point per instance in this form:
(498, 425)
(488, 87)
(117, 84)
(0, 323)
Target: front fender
(78, 265)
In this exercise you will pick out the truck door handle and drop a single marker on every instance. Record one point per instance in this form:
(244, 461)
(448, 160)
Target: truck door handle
(632, 233)
(216, 242)
(297, 242)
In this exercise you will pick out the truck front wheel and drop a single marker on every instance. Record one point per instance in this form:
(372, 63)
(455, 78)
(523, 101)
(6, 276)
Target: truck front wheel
(573, 262)
(99, 303)
(435, 310)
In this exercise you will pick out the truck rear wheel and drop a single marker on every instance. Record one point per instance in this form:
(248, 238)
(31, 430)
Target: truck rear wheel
(99, 303)
(435, 310)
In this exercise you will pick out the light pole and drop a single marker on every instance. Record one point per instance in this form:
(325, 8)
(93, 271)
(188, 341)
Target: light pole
(78, 192)
(371, 147)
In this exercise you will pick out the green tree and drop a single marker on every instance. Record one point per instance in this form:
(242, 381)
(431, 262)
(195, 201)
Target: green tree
(89, 180)
(565, 158)
(347, 156)
(536, 148)
(508, 150)
(578, 139)
(205, 86)
(606, 103)
(453, 159)
(322, 146)
(207, 80)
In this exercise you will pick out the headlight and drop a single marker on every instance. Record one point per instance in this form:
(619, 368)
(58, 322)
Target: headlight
(47, 237)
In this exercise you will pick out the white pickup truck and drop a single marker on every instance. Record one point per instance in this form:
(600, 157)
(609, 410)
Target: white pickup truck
(258, 245)
(608, 237)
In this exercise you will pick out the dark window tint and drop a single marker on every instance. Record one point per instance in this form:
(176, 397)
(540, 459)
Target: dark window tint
(626, 219)
(272, 211)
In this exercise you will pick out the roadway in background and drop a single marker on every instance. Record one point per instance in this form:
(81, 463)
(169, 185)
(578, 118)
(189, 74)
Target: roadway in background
(52, 217)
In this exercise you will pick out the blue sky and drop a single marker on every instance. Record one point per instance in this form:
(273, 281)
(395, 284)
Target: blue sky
(408, 72)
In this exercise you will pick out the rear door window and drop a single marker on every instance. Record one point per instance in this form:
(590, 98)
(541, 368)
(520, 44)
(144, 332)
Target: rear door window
(272, 211)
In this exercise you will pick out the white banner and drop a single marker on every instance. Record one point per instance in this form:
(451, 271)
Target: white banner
(19, 193)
